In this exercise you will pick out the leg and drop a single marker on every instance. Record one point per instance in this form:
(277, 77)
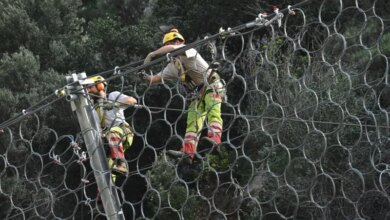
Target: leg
(213, 100)
(117, 157)
(128, 137)
(195, 119)
(115, 144)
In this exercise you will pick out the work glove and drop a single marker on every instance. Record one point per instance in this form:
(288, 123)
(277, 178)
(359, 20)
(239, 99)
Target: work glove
(148, 58)
(109, 105)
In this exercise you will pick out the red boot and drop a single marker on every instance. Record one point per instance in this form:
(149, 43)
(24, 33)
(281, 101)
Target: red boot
(117, 154)
(187, 152)
(116, 147)
(189, 148)
(212, 142)
(214, 133)
(215, 138)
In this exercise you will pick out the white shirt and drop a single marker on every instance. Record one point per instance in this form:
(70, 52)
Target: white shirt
(116, 116)
(195, 67)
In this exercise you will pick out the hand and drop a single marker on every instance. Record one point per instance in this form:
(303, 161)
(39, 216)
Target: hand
(101, 94)
(110, 105)
(148, 58)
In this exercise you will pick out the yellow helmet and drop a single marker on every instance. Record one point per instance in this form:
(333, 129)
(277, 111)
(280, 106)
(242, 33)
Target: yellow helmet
(174, 34)
(97, 80)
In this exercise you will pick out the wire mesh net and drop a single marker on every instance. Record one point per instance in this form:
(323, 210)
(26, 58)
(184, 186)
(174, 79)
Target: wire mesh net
(305, 133)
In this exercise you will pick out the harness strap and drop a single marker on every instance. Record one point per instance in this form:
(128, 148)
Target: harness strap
(182, 72)
(101, 115)
(186, 82)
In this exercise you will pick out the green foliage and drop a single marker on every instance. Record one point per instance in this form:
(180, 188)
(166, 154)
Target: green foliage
(221, 162)
(19, 189)
(161, 178)
(195, 208)
(16, 26)
(161, 174)
(385, 44)
(128, 12)
(46, 28)
(42, 39)
(114, 44)
(24, 84)
(18, 70)
(196, 18)
(9, 104)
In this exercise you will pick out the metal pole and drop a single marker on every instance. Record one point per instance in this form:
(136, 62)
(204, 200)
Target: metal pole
(91, 130)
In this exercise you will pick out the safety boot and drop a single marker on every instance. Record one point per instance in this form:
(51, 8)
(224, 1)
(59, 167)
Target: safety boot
(210, 143)
(179, 154)
(176, 153)
(120, 166)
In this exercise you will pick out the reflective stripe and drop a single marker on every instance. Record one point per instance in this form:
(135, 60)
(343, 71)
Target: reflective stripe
(191, 137)
(215, 126)
(125, 133)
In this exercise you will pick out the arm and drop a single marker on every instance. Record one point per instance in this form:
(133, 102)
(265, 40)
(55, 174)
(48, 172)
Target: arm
(153, 79)
(163, 50)
(128, 100)
(166, 49)
(168, 73)
(121, 99)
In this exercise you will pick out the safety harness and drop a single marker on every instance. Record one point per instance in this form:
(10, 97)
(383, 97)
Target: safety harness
(123, 129)
(188, 87)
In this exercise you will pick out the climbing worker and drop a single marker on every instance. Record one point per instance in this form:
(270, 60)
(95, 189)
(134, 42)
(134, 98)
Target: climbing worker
(202, 87)
(115, 129)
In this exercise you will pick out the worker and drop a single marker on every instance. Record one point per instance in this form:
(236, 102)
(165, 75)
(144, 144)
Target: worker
(202, 87)
(115, 129)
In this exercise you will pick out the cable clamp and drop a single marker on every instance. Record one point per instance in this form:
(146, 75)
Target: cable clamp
(290, 10)
(260, 20)
(116, 70)
(56, 159)
(169, 57)
(60, 92)
(279, 16)
(224, 32)
(83, 156)
(88, 200)
(75, 146)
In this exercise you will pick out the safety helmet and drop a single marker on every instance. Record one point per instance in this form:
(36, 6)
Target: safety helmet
(172, 35)
(97, 80)
(118, 130)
